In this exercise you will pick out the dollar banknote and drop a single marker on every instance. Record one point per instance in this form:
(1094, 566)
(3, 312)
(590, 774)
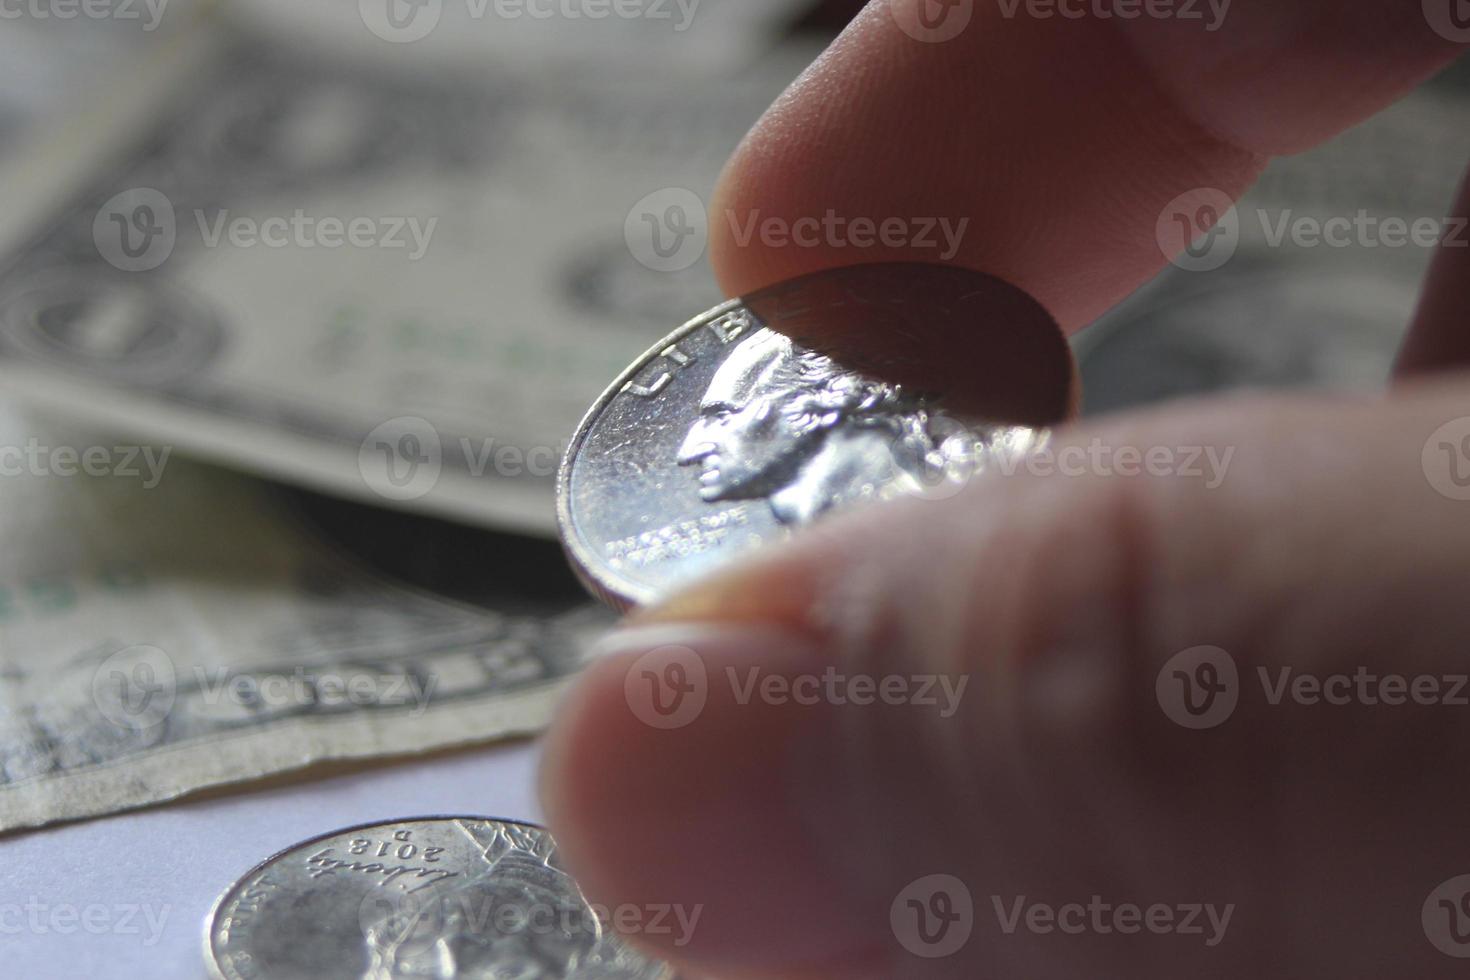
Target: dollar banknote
(1310, 281)
(52, 59)
(684, 36)
(167, 626)
(380, 280)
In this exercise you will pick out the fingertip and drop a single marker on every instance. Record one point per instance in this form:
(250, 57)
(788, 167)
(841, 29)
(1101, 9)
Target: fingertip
(1057, 141)
(979, 152)
(680, 805)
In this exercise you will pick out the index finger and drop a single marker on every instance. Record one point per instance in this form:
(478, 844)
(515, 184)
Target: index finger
(1041, 141)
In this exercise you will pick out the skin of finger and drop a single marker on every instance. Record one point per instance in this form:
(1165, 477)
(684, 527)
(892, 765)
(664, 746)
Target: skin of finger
(1280, 78)
(1052, 140)
(1325, 549)
(1439, 339)
(610, 805)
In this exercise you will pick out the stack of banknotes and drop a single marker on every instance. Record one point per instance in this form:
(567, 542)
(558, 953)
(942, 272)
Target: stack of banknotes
(299, 305)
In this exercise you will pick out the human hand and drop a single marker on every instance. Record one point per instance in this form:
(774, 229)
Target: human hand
(1334, 546)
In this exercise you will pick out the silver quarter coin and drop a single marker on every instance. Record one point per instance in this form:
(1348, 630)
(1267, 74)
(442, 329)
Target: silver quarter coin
(465, 897)
(768, 413)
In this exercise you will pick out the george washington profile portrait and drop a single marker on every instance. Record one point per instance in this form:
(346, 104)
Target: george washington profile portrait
(789, 425)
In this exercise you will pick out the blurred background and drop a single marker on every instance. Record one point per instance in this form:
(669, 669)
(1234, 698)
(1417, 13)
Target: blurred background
(300, 302)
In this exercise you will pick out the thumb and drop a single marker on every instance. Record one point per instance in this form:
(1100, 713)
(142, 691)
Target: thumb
(954, 737)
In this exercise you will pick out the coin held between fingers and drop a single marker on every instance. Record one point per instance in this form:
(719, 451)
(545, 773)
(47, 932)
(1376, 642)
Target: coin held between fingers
(767, 413)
